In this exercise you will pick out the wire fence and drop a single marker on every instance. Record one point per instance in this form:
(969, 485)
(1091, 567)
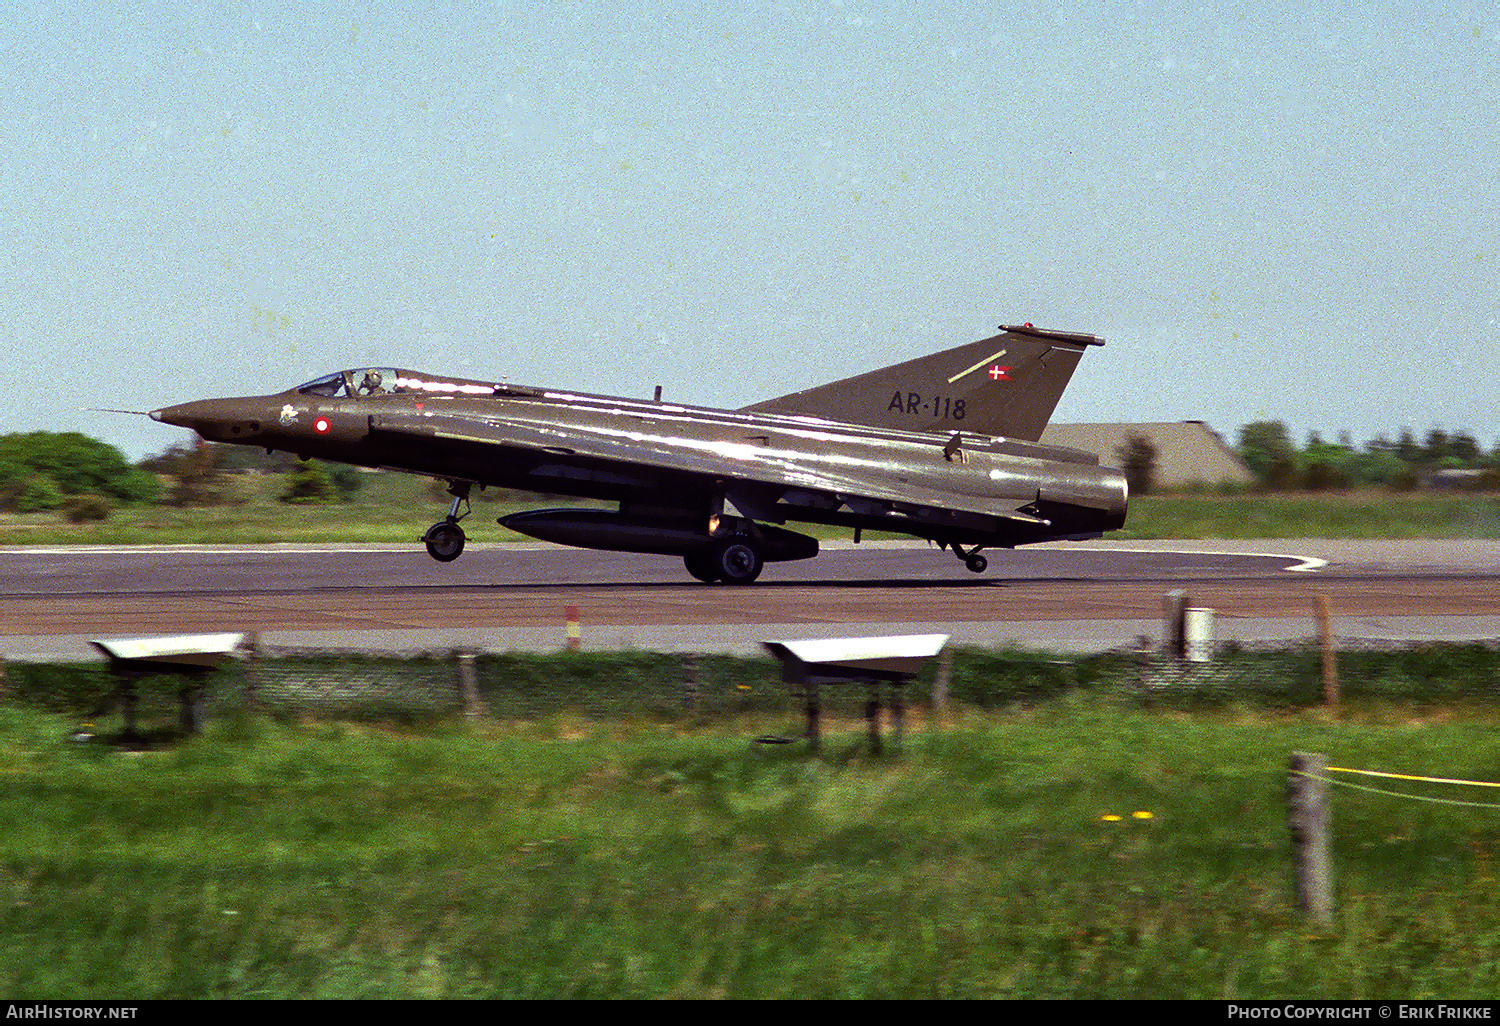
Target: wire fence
(1314, 672)
(319, 683)
(508, 686)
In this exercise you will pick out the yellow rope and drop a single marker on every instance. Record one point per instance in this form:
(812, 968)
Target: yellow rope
(1407, 776)
(1400, 794)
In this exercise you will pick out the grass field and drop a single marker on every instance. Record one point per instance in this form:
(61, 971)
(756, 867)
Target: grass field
(399, 508)
(1370, 514)
(567, 857)
(574, 859)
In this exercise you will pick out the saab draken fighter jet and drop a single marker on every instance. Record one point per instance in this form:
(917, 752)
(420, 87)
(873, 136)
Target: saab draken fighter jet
(943, 447)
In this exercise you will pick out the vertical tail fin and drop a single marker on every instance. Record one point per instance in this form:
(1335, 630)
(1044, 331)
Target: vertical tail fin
(1007, 385)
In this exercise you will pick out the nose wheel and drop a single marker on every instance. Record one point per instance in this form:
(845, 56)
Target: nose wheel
(971, 559)
(445, 539)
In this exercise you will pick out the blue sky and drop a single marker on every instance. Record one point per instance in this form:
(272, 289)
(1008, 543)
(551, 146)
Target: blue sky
(1268, 212)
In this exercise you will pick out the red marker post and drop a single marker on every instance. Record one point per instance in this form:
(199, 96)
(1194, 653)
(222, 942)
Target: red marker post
(575, 637)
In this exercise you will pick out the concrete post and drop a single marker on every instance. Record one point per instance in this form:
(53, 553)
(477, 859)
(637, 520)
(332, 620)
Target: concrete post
(1198, 634)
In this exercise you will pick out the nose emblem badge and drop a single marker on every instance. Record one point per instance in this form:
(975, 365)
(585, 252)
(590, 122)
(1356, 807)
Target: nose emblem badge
(288, 415)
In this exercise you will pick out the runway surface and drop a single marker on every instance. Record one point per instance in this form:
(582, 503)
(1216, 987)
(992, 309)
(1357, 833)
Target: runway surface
(1085, 596)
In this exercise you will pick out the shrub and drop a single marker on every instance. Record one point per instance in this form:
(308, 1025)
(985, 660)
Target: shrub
(75, 464)
(1322, 476)
(1137, 458)
(29, 493)
(81, 509)
(309, 484)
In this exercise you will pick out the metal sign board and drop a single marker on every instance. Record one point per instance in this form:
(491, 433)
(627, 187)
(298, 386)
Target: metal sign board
(190, 650)
(892, 657)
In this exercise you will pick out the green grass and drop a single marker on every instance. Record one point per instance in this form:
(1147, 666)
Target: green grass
(398, 508)
(634, 859)
(1314, 515)
(391, 508)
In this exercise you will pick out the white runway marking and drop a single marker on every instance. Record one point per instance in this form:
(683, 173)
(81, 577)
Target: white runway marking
(1305, 564)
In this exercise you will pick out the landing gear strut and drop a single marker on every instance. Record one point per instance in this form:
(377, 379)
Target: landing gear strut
(445, 539)
(971, 559)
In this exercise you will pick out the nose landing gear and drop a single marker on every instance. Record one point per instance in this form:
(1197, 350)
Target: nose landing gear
(971, 559)
(445, 539)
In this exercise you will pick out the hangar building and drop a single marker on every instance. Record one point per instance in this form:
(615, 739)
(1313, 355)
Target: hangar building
(1187, 453)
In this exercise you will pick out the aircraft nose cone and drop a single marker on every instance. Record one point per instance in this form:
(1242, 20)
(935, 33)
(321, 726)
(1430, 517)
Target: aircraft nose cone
(175, 415)
(218, 420)
(222, 420)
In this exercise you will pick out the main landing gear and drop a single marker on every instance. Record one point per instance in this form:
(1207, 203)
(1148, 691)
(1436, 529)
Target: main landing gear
(445, 539)
(733, 559)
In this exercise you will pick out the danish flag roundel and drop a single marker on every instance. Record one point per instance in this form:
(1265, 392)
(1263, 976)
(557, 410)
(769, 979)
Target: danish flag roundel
(322, 425)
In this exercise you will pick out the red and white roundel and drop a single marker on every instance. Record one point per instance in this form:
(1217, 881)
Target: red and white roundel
(322, 425)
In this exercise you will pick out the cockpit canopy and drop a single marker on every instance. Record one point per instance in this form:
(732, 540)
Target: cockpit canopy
(366, 381)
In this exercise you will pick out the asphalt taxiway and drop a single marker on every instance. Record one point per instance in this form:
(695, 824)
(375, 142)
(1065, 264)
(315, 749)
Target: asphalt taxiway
(1064, 597)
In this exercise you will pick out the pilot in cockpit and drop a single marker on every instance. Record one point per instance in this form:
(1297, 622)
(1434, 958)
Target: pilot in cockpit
(371, 385)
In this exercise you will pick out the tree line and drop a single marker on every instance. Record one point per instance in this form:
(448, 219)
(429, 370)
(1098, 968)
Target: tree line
(1401, 463)
(1265, 446)
(85, 479)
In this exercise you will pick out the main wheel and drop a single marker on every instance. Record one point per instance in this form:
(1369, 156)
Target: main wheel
(445, 541)
(976, 563)
(735, 560)
(700, 565)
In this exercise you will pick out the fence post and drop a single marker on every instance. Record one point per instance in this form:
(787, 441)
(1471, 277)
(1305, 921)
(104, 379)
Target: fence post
(253, 654)
(468, 687)
(690, 682)
(814, 711)
(941, 683)
(1145, 653)
(1330, 658)
(1307, 816)
(1174, 617)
